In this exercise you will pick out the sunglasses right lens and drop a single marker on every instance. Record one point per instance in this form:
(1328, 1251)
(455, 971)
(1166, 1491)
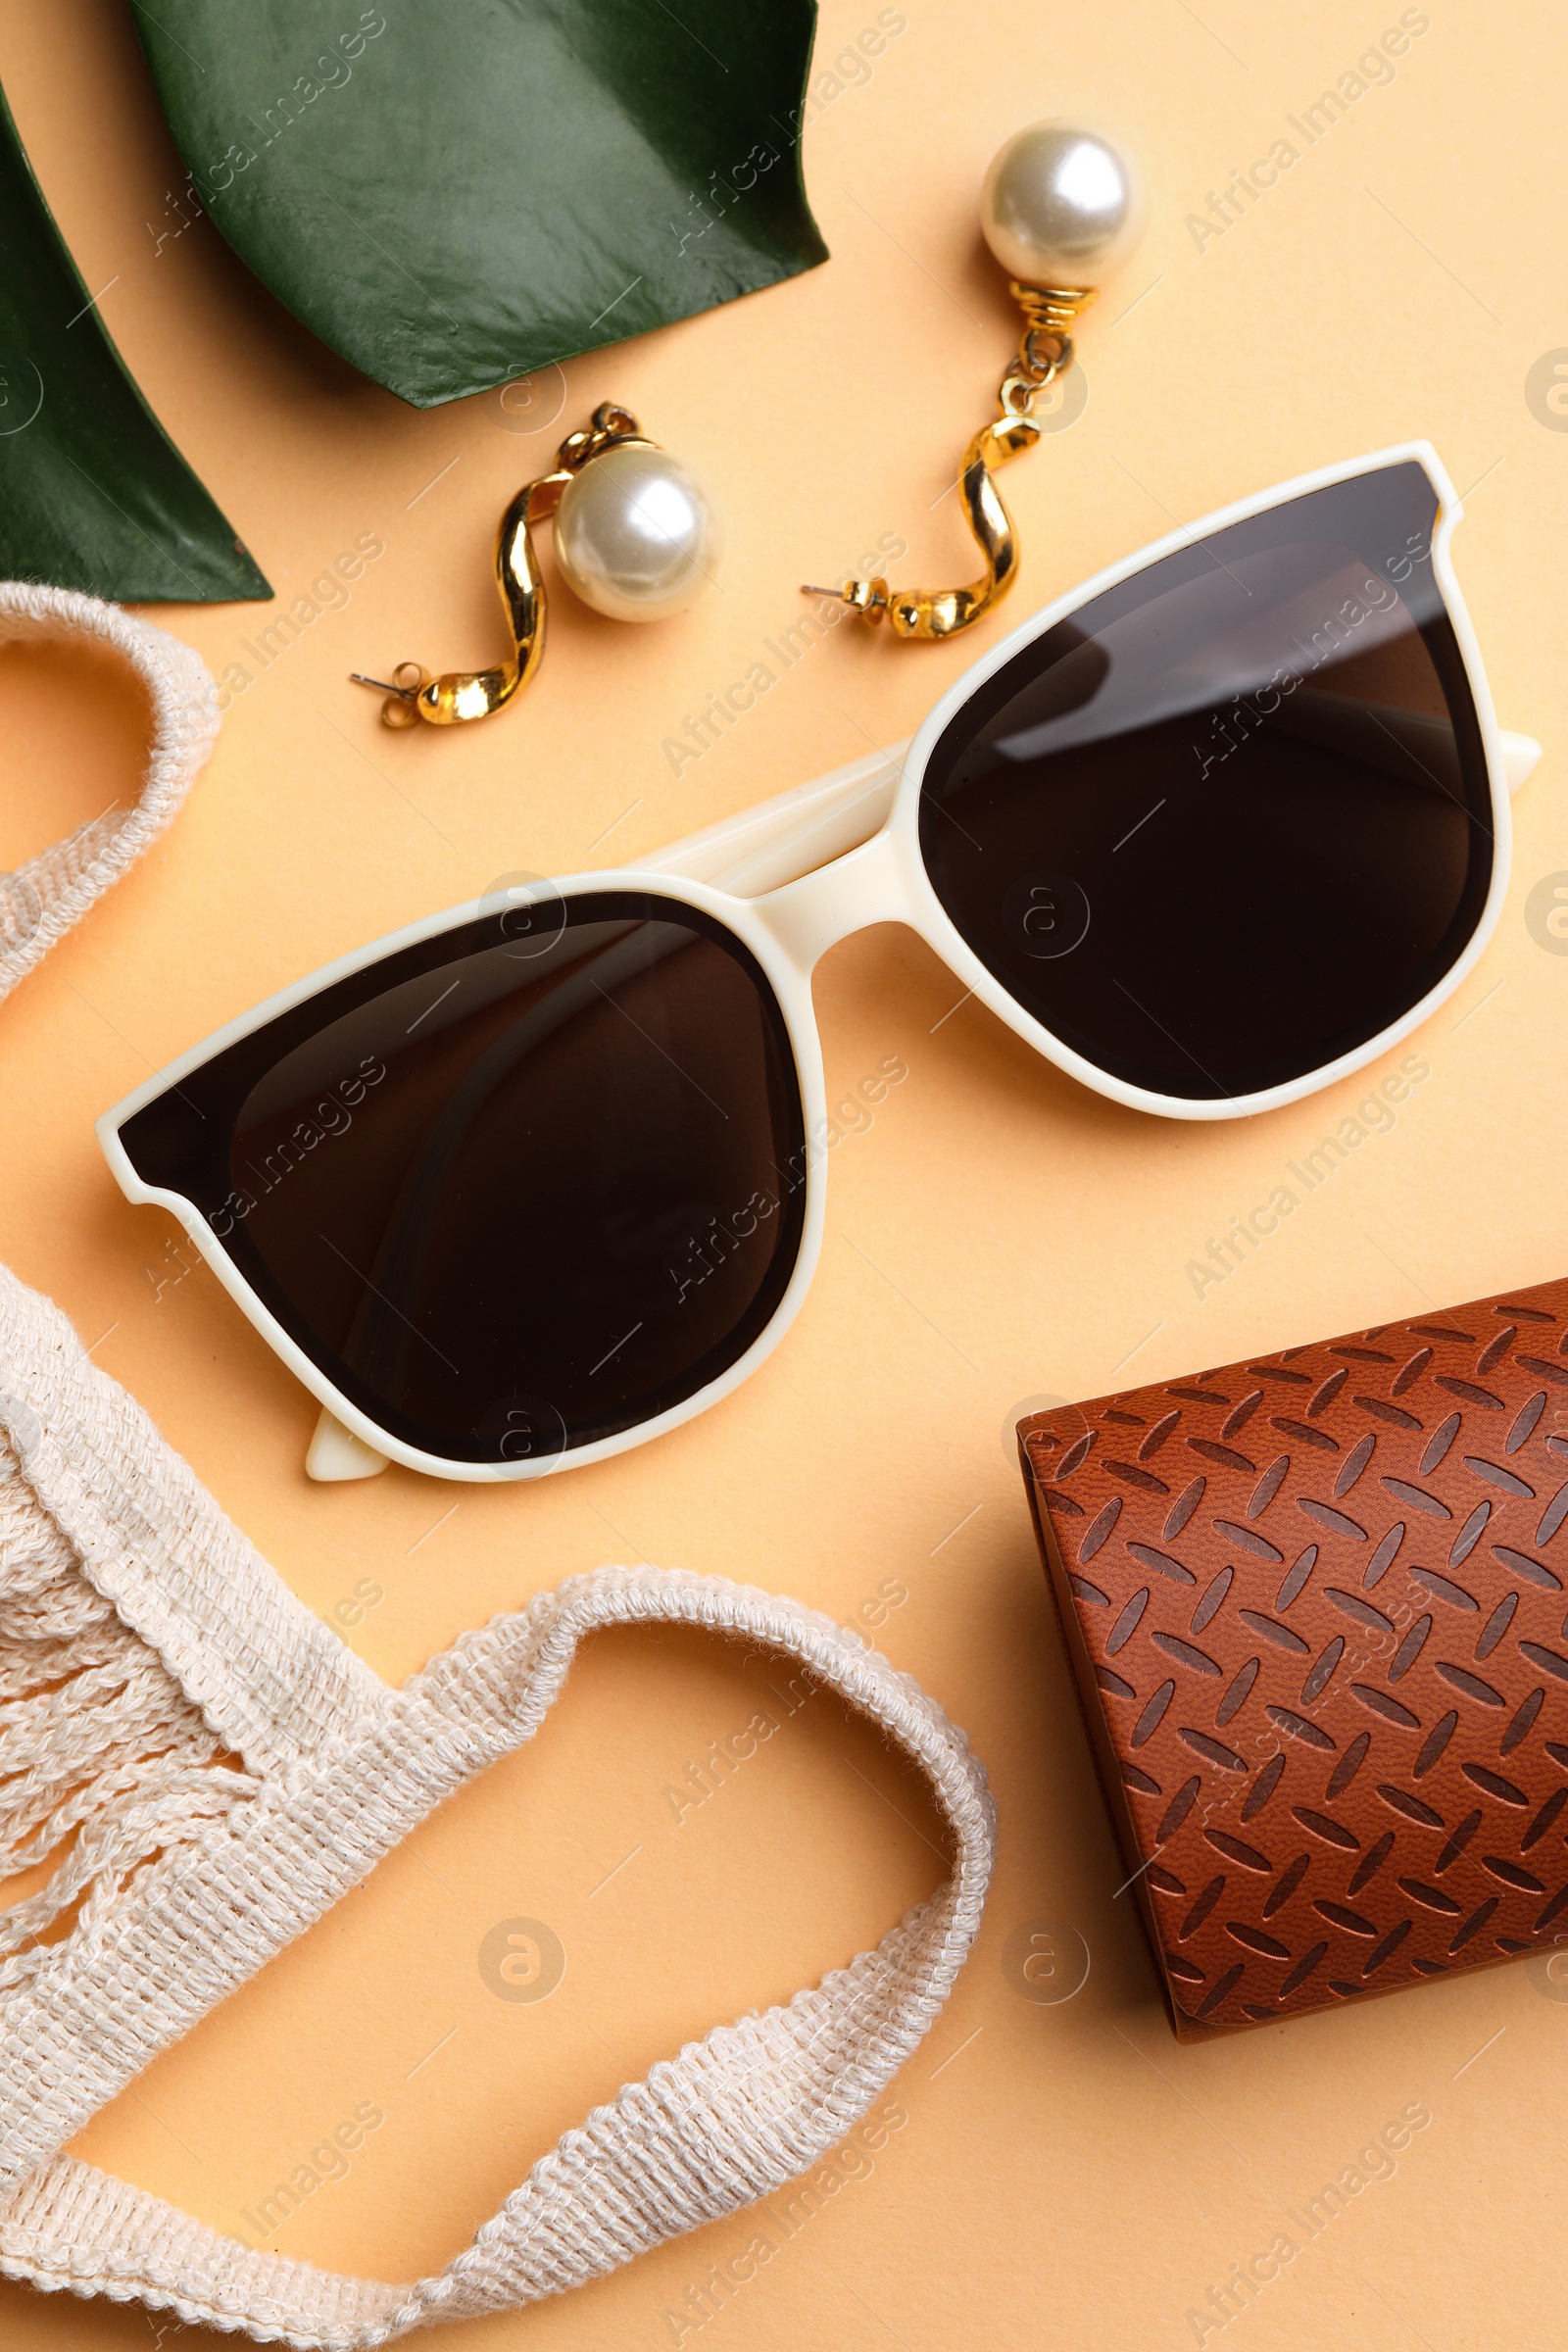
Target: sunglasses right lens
(1232, 817)
(515, 1189)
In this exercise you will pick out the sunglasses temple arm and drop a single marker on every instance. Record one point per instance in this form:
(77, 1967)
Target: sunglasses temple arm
(795, 833)
(1519, 755)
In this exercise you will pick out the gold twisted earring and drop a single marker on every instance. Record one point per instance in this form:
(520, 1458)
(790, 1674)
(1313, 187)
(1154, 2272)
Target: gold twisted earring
(1061, 207)
(636, 537)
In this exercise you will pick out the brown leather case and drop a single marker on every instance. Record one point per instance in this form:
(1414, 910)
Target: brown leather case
(1315, 1605)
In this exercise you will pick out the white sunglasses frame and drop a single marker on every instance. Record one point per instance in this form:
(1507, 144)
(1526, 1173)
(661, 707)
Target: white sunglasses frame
(790, 878)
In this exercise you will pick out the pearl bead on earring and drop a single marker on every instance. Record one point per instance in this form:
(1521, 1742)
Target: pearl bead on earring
(636, 534)
(1061, 205)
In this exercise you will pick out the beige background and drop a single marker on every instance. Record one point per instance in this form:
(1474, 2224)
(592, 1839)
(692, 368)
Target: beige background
(1066, 2176)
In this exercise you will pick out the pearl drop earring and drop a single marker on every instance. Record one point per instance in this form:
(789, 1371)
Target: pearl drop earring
(1061, 207)
(636, 537)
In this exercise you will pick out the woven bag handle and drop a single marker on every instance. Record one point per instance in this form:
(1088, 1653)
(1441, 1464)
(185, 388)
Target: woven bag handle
(42, 899)
(729, 2120)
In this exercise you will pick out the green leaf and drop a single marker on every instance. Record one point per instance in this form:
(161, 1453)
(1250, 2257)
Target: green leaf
(93, 494)
(453, 193)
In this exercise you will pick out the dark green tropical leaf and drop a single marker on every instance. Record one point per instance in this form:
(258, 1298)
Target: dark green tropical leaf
(456, 192)
(93, 494)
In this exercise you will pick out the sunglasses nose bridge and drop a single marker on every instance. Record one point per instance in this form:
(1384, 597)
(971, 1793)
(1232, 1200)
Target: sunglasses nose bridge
(808, 916)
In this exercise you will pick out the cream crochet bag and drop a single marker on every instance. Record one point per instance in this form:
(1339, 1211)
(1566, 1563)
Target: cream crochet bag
(212, 1769)
(42, 899)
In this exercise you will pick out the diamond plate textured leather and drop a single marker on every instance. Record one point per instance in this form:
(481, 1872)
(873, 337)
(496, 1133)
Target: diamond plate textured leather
(1315, 1605)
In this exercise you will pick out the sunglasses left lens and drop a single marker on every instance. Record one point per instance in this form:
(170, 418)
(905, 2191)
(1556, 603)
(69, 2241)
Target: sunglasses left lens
(516, 1189)
(1231, 818)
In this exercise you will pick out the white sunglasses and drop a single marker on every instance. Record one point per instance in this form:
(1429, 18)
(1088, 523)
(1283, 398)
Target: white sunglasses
(536, 1179)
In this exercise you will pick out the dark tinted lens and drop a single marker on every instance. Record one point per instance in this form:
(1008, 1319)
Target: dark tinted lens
(511, 1190)
(1232, 818)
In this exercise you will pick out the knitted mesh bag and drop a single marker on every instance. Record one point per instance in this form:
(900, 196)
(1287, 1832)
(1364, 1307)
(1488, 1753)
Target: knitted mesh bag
(41, 900)
(213, 1770)
(208, 1770)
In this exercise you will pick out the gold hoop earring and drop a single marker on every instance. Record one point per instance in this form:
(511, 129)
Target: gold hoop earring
(636, 537)
(1061, 207)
